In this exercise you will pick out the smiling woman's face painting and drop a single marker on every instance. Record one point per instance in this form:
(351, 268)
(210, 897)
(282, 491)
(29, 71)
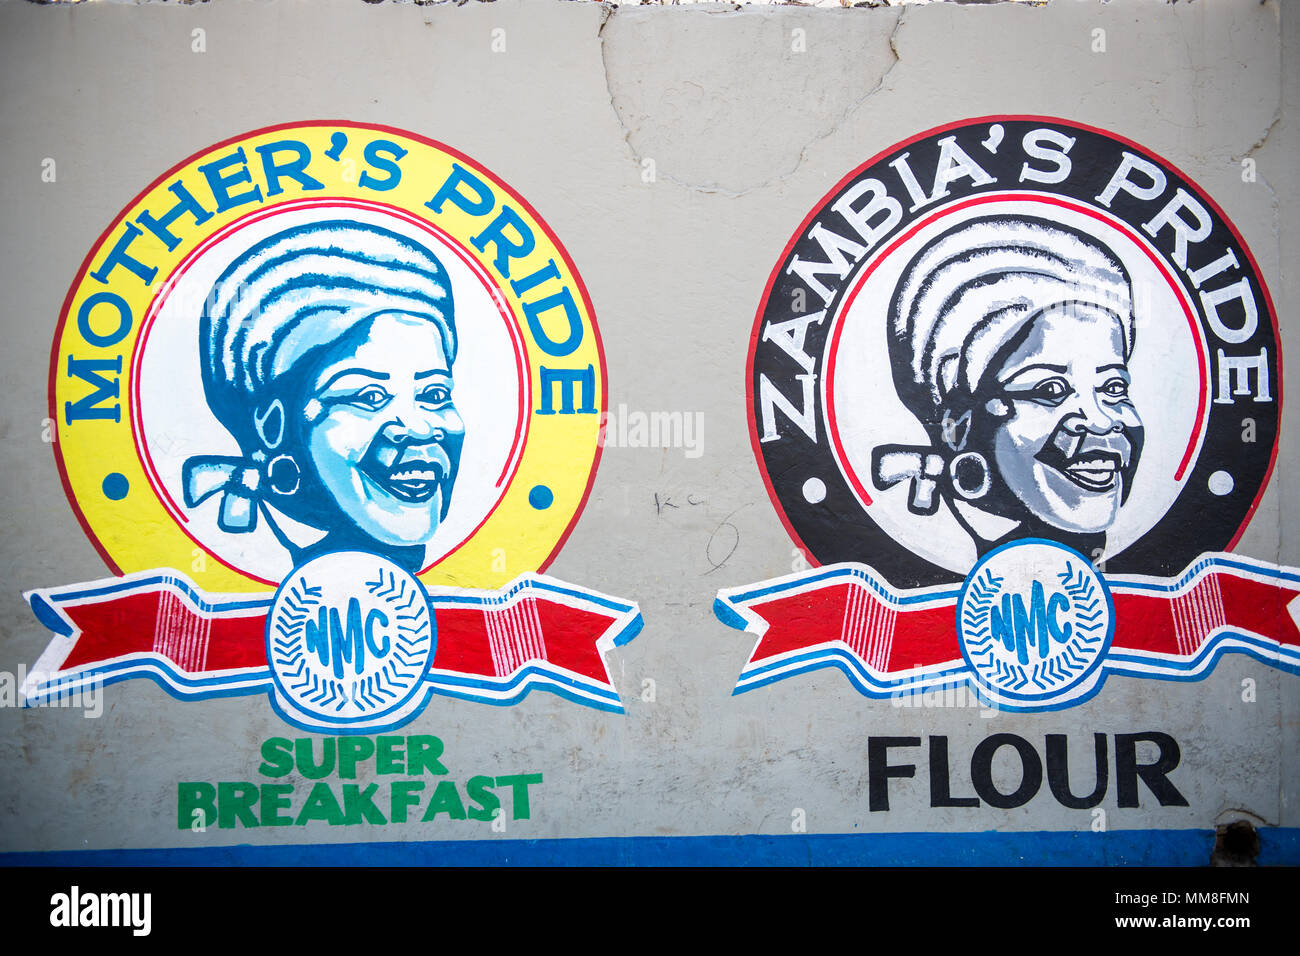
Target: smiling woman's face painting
(381, 431)
(1069, 439)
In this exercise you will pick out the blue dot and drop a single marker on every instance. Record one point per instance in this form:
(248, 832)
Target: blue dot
(540, 497)
(115, 486)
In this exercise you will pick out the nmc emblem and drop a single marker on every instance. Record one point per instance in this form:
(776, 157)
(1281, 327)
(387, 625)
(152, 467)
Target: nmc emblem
(1015, 384)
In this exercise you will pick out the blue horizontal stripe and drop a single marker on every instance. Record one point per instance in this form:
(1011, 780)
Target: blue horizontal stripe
(1279, 846)
(853, 668)
(1169, 585)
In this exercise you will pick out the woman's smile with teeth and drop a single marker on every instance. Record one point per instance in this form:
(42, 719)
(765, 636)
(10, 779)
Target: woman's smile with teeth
(1092, 468)
(1095, 473)
(412, 474)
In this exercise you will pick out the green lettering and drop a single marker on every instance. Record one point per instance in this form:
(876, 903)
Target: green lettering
(405, 796)
(275, 797)
(277, 757)
(390, 758)
(423, 752)
(479, 789)
(351, 751)
(446, 799)
(520, 782)
(235, 803)
(359, 805)
(302, 750)
(195, 796)
(321, 805)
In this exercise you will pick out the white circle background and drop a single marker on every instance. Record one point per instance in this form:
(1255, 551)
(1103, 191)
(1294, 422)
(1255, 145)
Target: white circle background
(177, 424)
(1165, 389)
(337, 576)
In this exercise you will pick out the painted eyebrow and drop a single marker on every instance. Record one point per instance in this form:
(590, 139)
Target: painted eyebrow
(1116, 366)
(382, 376)
(1029, 368)
(432, 371)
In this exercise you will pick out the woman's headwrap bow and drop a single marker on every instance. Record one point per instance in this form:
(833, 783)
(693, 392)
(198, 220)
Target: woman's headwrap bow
(960, 303)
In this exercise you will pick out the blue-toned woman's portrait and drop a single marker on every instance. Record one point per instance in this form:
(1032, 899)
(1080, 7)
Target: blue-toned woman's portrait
(327, 352)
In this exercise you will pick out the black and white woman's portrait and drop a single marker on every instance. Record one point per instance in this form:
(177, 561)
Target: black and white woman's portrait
(1013, 373)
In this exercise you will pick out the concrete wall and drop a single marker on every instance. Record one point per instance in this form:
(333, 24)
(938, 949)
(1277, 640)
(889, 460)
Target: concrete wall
(674, 152)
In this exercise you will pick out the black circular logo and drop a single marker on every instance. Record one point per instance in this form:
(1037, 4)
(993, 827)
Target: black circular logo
(1009, 328)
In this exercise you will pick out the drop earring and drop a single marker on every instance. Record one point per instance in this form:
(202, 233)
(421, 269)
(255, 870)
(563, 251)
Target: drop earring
(270, 425)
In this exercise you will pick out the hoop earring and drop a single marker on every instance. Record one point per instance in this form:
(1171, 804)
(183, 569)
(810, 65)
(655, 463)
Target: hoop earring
(970, 475)
(290, 474)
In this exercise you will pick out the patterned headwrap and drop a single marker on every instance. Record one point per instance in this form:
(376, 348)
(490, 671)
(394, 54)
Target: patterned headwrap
(971, 290)
(287, 296)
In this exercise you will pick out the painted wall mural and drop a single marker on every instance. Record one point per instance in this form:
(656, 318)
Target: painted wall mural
(328, 398)
(1015, 385)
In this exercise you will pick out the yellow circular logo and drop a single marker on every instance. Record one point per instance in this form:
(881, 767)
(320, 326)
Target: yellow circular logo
(324, 337)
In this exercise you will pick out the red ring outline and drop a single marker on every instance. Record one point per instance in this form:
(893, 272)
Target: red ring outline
(348, 124)
(159, 300)
(832, 347)
(961, 124)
